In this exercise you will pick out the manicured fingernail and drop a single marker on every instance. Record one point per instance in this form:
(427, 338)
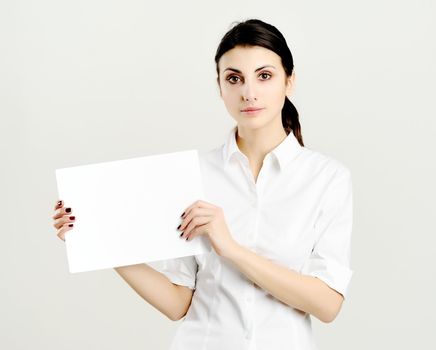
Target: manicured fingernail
(181, 234)
(179, 226)
(68, 210)
(187, 238)
(182, 214)
(71, 225)
(72, 217)
(59, 203)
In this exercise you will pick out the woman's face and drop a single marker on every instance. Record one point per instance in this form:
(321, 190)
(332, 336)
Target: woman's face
(244, 83)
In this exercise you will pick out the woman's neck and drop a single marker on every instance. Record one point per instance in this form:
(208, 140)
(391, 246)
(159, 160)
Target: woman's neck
(256, 144)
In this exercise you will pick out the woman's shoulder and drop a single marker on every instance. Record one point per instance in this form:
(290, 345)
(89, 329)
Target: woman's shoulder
(320, 161)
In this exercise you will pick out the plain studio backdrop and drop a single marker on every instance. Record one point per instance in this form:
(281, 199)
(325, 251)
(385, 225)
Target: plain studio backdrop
(84, 82)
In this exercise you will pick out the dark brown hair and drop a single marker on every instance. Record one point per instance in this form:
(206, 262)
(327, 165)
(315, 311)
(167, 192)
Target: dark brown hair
(254, 32)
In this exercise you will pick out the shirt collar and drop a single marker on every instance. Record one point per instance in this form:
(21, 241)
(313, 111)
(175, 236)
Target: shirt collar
(284, 152)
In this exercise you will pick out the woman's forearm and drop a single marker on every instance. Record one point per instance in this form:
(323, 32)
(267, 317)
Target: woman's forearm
(306, 293)
(155, 288)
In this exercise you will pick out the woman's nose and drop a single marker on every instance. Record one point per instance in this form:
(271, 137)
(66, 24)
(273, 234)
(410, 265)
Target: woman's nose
(248, 92)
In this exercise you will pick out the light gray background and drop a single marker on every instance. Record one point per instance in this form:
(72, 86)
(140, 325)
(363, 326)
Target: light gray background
(93, 81)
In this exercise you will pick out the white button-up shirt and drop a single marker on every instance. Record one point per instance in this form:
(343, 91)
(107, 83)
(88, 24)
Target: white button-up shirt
(297, 214)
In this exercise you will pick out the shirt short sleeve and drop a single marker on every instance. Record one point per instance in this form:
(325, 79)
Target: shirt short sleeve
(181, 271)
(330, 257)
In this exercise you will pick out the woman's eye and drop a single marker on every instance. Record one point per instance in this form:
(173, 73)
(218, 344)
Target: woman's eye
(230, 79)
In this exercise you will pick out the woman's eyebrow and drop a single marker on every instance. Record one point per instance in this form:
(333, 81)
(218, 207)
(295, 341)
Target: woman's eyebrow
(238, 71)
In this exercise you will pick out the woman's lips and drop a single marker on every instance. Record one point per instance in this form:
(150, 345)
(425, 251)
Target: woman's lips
(251, 111)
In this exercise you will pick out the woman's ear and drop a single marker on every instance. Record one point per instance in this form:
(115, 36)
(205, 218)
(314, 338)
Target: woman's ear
(219, 86)
(290, 81)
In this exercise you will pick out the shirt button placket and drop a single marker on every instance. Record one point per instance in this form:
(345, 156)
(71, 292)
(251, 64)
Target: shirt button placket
(249, 293)
(249, 299)
(251, 345)
(253, 198)
(249, 333)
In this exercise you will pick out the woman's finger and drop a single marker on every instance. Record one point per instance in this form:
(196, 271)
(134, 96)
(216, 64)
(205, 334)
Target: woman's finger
(196, 211)
(63, 220)
(61, 212)
(197, 204)
(65, 228)
(59, 204)
(194, 224)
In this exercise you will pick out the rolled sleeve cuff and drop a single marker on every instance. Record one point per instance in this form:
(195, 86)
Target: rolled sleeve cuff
(335, 275)
(180, 271)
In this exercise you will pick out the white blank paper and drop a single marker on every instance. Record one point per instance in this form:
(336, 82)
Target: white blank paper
(127, 211)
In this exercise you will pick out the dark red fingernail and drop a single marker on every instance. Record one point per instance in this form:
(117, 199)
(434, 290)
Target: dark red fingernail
(179, 226)
(72, 217)
(59, 203)
(68, 210)
(71, 225)
(182, 214)
(181, 234)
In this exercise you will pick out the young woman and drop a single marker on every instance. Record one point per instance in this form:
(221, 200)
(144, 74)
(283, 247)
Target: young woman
(278, 216)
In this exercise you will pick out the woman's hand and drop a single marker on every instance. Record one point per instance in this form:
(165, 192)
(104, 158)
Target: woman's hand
(62, 219)
(203, 218)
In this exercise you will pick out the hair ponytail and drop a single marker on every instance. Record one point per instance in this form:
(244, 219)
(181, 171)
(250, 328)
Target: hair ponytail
(290, 120)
